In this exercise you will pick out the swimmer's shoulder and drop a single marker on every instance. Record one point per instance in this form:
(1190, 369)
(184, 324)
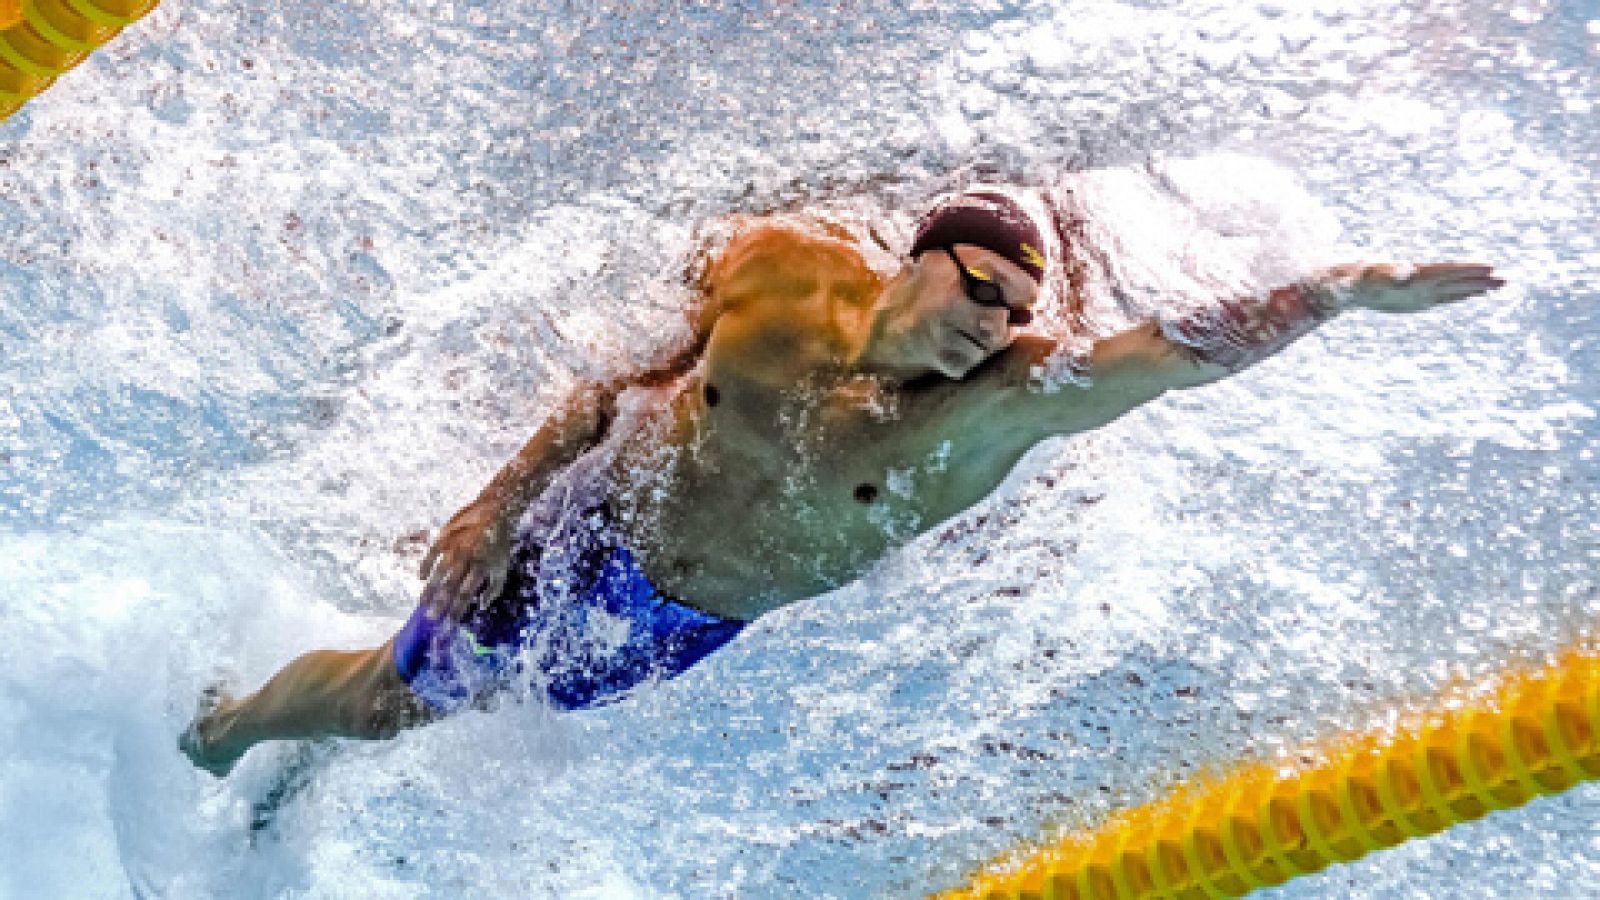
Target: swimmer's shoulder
(778, 258)
(790, 296)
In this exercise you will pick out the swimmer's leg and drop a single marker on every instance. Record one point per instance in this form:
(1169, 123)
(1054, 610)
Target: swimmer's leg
(326, 693)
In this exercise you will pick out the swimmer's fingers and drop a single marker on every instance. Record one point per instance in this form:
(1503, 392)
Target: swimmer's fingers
(1426, 286)
(450, 538)
(436, 577)
(452, 589)
(1454, 273)
(1451, 284)
(469, 595)
(487, 580)
(440, 557)
(1442, 271)
(471, 587)
(430, 600)
(439, 595)
(445, 607)
(455, 610)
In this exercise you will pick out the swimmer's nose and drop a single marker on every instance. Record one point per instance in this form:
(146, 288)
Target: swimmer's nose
(993, 324)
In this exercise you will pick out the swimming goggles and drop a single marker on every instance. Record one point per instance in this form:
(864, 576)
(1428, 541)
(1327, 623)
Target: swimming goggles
(987, 293)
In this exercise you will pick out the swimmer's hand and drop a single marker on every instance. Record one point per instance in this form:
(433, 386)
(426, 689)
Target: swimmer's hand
(468, 560)
(1399, 289)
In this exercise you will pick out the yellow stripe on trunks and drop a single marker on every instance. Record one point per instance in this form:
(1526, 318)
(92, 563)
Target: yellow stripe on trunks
(40, 39)
(1493, 746)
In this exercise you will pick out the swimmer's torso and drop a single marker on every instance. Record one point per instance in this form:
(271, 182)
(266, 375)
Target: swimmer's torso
(757, 501)
(776, 472)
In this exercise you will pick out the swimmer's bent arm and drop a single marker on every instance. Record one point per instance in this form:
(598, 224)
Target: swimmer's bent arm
(470, 556)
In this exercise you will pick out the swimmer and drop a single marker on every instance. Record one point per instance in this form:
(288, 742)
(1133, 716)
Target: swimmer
(581, 574)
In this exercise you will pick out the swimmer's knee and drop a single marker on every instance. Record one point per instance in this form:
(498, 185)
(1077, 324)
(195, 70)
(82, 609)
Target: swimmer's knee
(382, 714)
(368, 721)
(384, 704)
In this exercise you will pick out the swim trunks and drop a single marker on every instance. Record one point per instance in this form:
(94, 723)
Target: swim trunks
(577, 621)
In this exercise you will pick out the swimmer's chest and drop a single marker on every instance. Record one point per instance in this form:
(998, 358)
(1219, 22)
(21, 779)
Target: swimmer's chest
(790, 494)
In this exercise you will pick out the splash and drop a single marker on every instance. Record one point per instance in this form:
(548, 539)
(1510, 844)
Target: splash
(282, 286)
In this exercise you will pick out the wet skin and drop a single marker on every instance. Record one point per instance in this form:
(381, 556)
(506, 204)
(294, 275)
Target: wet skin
(853, 413)
(847, 423)
(849, 417)
(830, 417)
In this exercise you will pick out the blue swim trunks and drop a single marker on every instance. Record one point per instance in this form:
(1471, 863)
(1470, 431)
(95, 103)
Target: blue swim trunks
(577, 621)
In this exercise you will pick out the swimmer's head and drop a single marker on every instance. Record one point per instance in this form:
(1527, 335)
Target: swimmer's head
(974, 278)
(984, 219)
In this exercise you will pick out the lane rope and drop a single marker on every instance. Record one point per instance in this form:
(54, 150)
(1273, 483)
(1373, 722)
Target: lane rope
(1497, 745)
(42, 39)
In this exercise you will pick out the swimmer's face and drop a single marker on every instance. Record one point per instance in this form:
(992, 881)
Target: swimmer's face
(943, 328)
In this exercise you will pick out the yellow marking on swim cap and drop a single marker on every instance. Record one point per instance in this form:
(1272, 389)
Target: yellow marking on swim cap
(1032, 255)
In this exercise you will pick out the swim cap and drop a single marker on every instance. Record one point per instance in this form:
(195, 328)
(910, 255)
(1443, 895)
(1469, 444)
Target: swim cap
(984, 219)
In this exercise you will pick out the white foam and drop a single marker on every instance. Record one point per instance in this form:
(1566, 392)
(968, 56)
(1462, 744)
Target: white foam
(262, 328)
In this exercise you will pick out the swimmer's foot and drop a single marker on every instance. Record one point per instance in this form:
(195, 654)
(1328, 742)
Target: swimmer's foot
(198, 744)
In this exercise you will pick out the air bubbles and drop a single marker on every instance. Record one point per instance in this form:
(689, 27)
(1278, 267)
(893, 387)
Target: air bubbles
(1264, 49)
(1390, 501)
(1529, 12)
(1278, 103)
(1218, 58)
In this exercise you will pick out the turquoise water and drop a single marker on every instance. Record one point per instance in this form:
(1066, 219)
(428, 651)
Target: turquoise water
(280, 288)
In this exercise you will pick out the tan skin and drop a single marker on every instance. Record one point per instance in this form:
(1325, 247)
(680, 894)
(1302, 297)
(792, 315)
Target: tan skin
(830, 417)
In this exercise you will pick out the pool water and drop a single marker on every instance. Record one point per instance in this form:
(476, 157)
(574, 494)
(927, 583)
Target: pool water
(280, 288)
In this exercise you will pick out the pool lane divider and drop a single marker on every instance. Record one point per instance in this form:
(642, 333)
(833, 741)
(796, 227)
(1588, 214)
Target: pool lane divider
(1479, 748)
(41, 39)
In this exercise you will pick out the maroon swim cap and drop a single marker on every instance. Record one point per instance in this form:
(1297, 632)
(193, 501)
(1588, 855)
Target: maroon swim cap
(984, 219)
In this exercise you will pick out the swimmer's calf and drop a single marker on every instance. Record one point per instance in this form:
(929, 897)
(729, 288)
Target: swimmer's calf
(325, 693)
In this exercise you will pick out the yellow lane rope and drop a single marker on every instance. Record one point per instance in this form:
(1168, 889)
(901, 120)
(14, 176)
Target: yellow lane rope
(1493, 746)
(40, 39)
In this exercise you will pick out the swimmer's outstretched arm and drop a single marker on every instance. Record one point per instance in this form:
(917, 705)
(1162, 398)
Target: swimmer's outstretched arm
(1209, 344)
(1139, 365)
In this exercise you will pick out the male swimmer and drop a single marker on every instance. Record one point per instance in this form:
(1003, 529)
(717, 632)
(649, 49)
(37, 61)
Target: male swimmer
(601, 557)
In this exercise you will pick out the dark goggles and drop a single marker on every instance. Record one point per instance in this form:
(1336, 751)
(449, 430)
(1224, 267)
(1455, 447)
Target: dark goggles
(988, 293)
